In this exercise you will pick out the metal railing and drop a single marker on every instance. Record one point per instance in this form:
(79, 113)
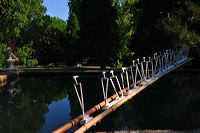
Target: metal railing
(141, 70)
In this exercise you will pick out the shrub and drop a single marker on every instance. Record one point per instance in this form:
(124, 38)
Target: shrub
(2, 57)
(26, 56)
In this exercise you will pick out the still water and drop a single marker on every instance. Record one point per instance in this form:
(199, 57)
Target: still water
(44, 103)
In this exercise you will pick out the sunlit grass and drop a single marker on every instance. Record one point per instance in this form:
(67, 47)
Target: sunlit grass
(94, 67)
(40, 68)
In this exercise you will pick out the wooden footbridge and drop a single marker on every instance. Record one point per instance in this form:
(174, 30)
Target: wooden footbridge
(132, 80)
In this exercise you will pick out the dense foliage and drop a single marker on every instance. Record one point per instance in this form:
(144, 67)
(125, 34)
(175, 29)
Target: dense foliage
(50, 43)
(2, 57)
(106, 29)
(99, 38)
(167, 24)
(98, 32)
(25, 54)
(17, 17)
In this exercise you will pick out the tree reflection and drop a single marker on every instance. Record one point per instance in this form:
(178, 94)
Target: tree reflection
(92, 94)
(24, 104)
(170, 103)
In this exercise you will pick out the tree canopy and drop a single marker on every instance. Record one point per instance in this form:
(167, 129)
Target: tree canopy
(17, 17)
(167, 24)
(98, 32)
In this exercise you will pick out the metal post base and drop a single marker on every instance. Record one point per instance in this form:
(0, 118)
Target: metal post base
(86, 119)
(106, 107)
(143, 83)
(135, 87)
(112, 103)
(128, 92)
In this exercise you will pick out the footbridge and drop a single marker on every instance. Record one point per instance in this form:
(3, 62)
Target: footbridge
(130, 82)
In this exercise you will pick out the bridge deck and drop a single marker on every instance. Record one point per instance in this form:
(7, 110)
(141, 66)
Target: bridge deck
(103, 114)
(99, 117)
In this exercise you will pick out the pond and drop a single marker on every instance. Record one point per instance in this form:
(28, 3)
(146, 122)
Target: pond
(44, 103)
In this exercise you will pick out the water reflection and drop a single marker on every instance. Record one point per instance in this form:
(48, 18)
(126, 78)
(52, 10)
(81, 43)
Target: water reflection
(58, 114)
(171, 103)
(42, 104)
(23, 105)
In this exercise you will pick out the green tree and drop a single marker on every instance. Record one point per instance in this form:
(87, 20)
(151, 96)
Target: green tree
(98, 43)
(126, 21)
(50, 43)
(74, 6)
(193, 11)
(18, 22)
(2, 52)
(106, 29)
(73, 28)
(25, 54)
(16, 18)
(167, 24)
(73, 31)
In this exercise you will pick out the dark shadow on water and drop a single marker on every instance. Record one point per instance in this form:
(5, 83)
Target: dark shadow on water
(23, 105)
(171, 103)
(44, 103)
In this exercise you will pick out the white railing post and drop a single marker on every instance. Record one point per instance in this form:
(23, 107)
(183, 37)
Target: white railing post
(79, 93)
(104, 84)
(125, 73)
(114, 87)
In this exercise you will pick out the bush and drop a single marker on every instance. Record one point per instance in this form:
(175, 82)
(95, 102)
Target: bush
(2, 52)
(26, 56)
